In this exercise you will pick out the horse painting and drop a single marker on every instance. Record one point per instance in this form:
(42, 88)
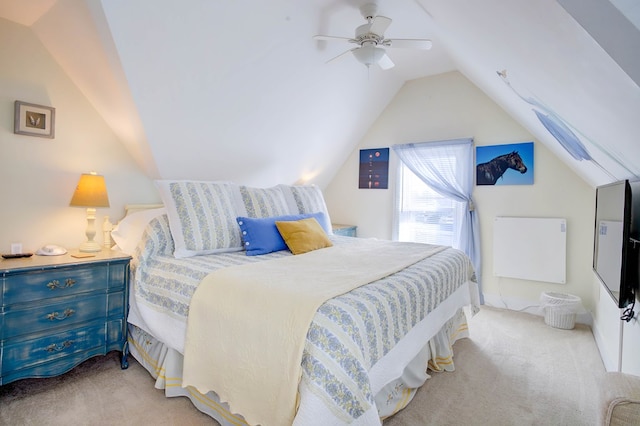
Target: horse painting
(488, 173)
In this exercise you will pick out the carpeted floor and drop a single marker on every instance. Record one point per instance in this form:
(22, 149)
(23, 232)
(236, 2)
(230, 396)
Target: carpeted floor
(513, 370)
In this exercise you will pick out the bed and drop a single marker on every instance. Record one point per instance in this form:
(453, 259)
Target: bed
(363, 349)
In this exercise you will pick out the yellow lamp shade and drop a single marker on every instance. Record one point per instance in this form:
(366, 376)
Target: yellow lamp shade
(91, 191)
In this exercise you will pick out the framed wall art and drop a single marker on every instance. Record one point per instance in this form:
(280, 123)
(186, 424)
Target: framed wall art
(510, 164)
(34, 120)
(374, 168)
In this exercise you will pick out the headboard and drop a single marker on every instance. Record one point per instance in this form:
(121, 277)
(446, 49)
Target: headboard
(132, 208)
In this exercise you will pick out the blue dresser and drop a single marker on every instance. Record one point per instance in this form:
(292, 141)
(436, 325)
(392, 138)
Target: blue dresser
(345, 230)
(57, 311)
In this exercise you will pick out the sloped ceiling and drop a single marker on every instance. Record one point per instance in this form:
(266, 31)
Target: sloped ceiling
(240, 90)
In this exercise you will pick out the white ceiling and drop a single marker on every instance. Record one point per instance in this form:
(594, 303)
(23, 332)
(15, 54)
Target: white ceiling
(240, 90)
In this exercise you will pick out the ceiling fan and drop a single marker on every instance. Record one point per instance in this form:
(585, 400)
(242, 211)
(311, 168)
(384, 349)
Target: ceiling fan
(370, 40)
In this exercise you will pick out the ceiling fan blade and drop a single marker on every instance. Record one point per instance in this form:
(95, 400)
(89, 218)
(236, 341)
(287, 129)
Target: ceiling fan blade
(405, 43)
(379, 25)
(386, 62)
(332, 38)
(342, 54)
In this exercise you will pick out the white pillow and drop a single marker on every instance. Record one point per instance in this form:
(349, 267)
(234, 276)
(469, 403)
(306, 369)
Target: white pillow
(202, 216)
(128, 231)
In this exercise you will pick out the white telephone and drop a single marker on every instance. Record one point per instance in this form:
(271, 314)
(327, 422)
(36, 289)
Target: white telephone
(51, 250)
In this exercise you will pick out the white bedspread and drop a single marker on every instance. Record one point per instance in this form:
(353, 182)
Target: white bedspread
(263, 357)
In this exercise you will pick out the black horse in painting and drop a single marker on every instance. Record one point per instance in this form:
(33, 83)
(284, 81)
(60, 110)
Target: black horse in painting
(489, 173)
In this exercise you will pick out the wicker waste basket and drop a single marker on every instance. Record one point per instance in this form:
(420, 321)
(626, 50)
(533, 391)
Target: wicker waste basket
(560, 309)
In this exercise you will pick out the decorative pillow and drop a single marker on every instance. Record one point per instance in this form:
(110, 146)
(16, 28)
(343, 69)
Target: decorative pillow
(261, 236)
(307, 199)
(128, 231)
(202, 216)
(303, 235)
(264, 202)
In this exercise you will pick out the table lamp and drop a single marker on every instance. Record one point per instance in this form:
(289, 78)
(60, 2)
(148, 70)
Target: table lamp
(91, 192)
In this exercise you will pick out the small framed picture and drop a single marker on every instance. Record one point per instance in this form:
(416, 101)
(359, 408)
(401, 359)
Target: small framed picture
(34, 120)
(374, 168)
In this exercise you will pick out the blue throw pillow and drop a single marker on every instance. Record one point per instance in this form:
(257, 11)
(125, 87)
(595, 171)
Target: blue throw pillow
(261, 236)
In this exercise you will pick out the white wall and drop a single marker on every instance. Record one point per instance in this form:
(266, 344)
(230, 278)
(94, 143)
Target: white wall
(38, 175)
(630, 362)
(618, 341)
(448, 106)
(607, 326)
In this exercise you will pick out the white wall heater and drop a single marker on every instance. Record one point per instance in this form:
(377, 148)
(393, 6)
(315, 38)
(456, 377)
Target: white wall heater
(530, 248)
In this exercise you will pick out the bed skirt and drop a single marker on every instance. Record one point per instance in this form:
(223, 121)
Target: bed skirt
(165, 366)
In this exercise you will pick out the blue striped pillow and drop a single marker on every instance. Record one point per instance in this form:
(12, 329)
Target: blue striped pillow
(307, 199)
(202, 216)
(264, 202)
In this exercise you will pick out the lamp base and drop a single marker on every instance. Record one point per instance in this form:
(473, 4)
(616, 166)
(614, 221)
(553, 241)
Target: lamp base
(90, 247)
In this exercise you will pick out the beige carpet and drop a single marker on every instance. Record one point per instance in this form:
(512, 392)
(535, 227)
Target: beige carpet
(513, 370)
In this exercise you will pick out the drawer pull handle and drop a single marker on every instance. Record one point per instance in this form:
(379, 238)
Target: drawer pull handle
(69, 282)
(54, 347)
(56, 315)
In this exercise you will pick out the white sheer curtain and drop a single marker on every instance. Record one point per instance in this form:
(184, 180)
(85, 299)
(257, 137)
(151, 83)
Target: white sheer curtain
(451, 179)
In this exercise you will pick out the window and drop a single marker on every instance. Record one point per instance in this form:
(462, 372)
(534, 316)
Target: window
(427, 212)
(423, 215)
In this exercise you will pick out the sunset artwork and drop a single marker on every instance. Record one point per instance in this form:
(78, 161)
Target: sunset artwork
(374, 168)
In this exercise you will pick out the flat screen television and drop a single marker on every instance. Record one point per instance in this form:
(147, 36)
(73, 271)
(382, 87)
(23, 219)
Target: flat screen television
(616, 250)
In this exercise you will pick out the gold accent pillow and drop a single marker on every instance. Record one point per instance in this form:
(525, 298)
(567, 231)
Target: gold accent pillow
(302, 236)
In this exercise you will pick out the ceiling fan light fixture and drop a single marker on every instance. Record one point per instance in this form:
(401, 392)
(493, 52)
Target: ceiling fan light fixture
(369, 54)
(371, 40)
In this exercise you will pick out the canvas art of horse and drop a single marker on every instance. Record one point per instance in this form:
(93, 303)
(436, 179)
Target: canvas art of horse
(488, 173)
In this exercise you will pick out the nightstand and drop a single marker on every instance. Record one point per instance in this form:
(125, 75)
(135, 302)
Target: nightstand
(58, 311)
(344, 230)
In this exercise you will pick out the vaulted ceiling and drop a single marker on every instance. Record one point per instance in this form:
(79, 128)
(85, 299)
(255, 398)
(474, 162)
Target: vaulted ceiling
(239, 90)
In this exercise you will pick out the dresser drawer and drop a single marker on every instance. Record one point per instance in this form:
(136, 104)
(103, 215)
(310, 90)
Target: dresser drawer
(25, 354)
(63, 313)
(44, 284)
